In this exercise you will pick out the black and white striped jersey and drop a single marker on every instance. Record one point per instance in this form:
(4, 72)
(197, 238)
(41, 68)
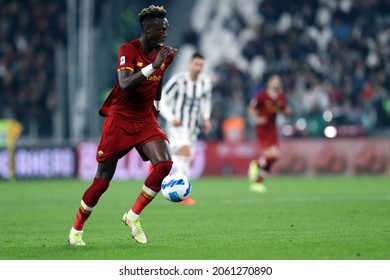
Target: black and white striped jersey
(187, 100)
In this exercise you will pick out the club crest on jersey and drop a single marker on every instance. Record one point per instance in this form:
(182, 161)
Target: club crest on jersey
(122, 60)
(140, 64)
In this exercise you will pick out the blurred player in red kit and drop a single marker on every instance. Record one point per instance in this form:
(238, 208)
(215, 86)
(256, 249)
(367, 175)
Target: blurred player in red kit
(130, 113)
(263, 110)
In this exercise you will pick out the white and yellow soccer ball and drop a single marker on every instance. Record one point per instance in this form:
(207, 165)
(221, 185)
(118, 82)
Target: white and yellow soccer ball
(176, 187)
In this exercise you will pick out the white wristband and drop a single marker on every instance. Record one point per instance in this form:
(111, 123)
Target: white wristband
(157, 105)
(148, 70)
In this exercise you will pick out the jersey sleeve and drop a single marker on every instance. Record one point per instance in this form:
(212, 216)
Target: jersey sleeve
(166, 103)
(126, 55)
(207, 100)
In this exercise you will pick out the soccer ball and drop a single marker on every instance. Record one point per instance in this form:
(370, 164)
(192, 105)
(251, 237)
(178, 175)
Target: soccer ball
(176, 187)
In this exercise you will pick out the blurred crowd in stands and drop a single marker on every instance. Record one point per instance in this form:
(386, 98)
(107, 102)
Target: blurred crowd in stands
(333, 56)
(29, 33)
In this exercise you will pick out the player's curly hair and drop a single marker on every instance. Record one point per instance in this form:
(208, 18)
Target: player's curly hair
(151, 12)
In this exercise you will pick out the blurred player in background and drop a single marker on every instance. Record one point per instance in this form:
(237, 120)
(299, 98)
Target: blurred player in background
(186, 106)
(263, 110)
(131, 122)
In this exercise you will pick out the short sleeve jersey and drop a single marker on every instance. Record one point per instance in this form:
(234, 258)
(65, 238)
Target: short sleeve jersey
(269, 107)
(135, 103)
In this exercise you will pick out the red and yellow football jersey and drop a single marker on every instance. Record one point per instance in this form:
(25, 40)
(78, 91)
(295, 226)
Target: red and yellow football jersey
(269, 107)
(136, 103)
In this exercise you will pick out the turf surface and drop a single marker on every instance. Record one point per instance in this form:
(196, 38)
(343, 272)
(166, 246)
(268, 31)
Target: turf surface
(319, 218)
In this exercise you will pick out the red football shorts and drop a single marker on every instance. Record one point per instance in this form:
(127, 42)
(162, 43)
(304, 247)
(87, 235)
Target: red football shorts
(119, 136)
(267, 136)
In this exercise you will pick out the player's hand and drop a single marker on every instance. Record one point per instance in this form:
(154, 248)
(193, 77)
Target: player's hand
(162, 55)
(176, 122)
(287, 111)
(206, 126)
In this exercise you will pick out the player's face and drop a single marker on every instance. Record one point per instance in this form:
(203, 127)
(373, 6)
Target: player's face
(275, 84)
(196, 66)
(158, 31)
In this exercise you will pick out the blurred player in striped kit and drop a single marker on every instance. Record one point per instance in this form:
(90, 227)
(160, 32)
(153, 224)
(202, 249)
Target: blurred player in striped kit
(186, 107)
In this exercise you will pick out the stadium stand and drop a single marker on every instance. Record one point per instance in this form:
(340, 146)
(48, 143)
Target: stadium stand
(333, 57)
(29, 33)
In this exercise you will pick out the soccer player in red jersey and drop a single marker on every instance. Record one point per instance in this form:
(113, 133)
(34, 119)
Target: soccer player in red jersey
(130, 113)
(263, 110)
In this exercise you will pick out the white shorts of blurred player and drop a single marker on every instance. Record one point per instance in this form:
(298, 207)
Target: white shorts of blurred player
(180, 136)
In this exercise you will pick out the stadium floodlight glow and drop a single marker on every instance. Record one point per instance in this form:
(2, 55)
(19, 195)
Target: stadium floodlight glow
(301, 124)
(287, 130)
(330, 131)
(327, 116)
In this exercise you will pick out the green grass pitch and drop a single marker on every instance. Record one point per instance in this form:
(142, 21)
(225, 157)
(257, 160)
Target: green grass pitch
(312, 218)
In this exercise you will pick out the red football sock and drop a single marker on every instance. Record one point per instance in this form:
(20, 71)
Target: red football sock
(267, 164)
(152, 185)
(269, 161)
(143, 199)
(89, 201)
(259, 179)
